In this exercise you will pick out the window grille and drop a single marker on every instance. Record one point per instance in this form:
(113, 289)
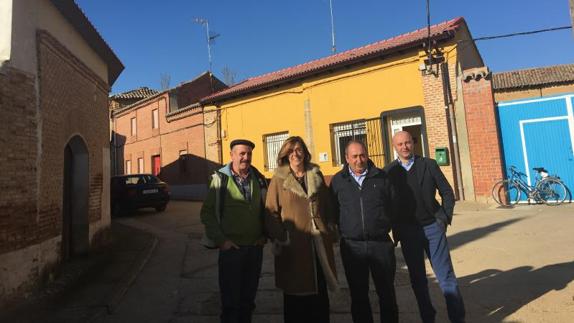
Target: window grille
(343, 133)
(273, 143)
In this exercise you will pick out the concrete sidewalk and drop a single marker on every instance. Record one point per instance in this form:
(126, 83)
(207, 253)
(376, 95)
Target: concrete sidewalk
(88, 287)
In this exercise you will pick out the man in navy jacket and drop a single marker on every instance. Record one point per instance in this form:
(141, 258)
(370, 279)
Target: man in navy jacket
(420, 222)
(360, 194)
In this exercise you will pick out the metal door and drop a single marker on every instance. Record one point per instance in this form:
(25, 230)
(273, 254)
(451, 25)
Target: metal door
(539, 133)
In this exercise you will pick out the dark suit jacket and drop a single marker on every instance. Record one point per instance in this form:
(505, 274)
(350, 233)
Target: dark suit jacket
(431, 179)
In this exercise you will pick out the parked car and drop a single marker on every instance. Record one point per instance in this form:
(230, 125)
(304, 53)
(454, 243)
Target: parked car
(131, 192)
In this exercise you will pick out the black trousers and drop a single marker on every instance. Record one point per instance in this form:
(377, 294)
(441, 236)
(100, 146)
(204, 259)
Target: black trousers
(308, 308)
(378, 258)
(239, 271)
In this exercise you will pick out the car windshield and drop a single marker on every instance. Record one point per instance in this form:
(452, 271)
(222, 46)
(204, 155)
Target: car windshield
(151, 179)
(130, 180)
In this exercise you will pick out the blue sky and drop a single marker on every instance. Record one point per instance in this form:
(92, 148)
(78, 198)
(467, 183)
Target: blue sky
(154, 37)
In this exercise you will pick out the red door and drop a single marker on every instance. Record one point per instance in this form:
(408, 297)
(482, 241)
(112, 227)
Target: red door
(155, 165)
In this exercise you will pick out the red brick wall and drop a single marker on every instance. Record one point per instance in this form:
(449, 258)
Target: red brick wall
(191, 92)
(436, 119)
(182, 131)
(173, 136)
(483, 137)
(18, 144)
(146, 142)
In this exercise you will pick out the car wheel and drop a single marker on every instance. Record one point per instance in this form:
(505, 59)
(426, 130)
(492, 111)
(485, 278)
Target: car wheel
(161, 208)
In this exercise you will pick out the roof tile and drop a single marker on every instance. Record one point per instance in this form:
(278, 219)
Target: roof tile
(413, 38)
(533, 77)
(139, 93)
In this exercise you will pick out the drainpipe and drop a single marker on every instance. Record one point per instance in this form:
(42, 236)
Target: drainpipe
(452, 124)
(115, 141)
(219, 134)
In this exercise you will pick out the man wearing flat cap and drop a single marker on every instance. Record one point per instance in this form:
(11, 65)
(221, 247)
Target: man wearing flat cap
(232, 215)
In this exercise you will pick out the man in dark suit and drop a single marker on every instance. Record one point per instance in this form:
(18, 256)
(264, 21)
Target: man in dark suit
(420, 222)
(360, 197)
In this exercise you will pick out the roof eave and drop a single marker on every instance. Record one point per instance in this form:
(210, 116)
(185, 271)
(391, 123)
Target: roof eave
(532, 86)
(360, 59)
(143, 101)
(72, 12)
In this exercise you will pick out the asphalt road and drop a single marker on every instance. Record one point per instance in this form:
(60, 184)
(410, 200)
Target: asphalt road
(514, 265)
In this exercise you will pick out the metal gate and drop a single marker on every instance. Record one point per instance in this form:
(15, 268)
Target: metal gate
(369, 131)
(375, 141)
(539, 133)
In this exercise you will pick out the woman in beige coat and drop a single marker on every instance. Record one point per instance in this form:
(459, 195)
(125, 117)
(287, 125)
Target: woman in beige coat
(299, 224)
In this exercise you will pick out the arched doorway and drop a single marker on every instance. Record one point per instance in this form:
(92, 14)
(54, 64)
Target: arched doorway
(75, 224)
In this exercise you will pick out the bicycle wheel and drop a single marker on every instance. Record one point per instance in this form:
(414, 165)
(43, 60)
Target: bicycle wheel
(551, 191)
(505, 193)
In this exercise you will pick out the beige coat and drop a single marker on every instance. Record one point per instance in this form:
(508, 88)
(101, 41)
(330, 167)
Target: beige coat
(302, 222)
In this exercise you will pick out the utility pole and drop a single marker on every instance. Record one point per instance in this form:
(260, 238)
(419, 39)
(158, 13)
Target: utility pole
(209, 38)
(333, 46)
(572, 14)
(429, 48)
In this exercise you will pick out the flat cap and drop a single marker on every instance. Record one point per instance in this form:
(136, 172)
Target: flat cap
(241, 142)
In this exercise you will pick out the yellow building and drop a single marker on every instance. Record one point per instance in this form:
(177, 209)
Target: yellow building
(366, 93)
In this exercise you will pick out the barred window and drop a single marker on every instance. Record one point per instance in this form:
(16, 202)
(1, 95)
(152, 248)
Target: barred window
(342, 133)
(273, 143)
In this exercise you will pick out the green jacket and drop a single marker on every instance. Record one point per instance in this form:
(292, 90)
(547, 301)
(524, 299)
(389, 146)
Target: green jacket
(226, 214)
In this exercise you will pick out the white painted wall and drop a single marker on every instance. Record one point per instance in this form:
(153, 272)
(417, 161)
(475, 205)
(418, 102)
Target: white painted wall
(16, 269)
(32, 15)
(5, 30)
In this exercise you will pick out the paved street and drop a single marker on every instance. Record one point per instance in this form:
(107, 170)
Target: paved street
(513, 265)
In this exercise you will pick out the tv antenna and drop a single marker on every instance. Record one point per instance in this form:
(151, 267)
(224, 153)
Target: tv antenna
(209, 37)
(333, 46)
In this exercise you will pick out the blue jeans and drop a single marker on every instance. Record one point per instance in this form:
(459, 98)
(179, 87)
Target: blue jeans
(415, 241)
(239, 271)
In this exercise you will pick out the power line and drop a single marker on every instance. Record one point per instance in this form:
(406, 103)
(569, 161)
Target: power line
(522, 33)
(428, 30)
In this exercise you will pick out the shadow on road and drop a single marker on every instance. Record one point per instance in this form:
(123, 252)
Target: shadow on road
(499, 294)
(464, 237)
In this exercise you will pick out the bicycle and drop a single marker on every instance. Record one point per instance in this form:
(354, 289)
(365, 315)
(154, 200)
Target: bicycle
(547, 189)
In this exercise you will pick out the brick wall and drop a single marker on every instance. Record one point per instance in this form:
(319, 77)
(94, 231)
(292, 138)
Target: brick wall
(18, 144)
(73, 101)
(185, 132)
(483, 137)
(42, 112)
(436, 118)
(191, 92)
(180, 131)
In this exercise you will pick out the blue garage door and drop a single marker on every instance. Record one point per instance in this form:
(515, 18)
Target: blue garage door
(539, 133)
